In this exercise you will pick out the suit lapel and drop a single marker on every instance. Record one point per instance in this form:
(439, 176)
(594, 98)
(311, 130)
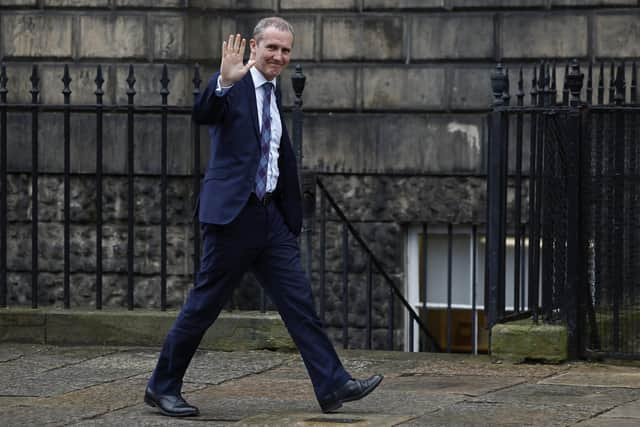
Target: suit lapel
(253, 108)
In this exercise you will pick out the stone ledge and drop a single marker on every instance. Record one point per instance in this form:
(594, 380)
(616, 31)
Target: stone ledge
(232, 331)
(524, 340)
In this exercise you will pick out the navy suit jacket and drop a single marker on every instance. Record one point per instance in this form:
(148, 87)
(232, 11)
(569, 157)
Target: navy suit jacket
(235, 153)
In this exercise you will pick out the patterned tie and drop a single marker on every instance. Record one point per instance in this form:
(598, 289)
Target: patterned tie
(265, 138)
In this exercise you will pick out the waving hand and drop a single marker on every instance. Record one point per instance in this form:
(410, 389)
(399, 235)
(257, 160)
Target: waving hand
(232, 67)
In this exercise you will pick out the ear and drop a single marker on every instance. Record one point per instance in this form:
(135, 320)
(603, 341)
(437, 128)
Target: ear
(253, 45)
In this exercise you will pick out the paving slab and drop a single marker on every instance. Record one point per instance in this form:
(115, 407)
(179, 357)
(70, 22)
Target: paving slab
(599, 376)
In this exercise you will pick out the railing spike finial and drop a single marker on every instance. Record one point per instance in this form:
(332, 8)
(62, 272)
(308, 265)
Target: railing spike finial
(35, 82)
(612, 82)
(196, 80)
(590, 83)
(506, 95)
(3, 83)
(621, 85)
(66, 80)
(131, 80)
(164, 80)
(99, 82)
(634, 83)
(498, 84)
(520, 93)
(298, 81)
(565, 85)
(574, 82)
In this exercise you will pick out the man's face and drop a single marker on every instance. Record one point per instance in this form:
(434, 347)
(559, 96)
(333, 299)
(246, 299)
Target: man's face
(272, 51)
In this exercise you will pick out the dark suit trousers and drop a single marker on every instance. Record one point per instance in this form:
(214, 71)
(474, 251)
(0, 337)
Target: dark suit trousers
(257, 240)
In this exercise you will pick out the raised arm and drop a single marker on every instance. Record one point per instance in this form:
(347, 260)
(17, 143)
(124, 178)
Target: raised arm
(209, 106)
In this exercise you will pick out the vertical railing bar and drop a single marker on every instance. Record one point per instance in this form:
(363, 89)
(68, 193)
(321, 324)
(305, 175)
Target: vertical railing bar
(518, 196)
(34, 186)
(345, 286)
(369, 301)
(164, 93)
(391, 325)
(66, 79)
(130, 183)
(449, 284)
(411, 332)
(4, 184)
(425, 271)
(99, 153)
(323, 254)
(195, 129)
(533, 149)
(474, 286)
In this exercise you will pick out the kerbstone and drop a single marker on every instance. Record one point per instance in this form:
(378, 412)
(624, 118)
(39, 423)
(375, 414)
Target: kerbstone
(113, 36)
(452, 37)
(403, 4)
(618, 33)
(377, 38)
(544, 36)
(168, 37)
(319, 4)
(525, 340)
(403, 88)
(594, 2)
(36, 35)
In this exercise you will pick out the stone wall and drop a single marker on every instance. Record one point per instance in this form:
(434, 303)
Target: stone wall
(395, 100)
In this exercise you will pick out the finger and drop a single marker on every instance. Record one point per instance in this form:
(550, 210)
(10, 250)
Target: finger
(243, 46)
(224, 48)
(249, 64)
(252, 57)
(236, 46)
(230, 44)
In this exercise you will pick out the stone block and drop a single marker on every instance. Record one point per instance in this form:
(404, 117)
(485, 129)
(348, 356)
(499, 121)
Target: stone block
(151, 3)
(248, 331)
(76, 3)
(403, 4)
(471, 88)
(26, 35)
(113, 36)
(234, 4)
(403, 88)
(326, 88)
(168, 37)
(544, 36)
(618, 35)
(408, 143)
(204, 37)
(525, 340)
(304, 43)
(322, 4)
(452, 37)
(347, 38)
(470, 4)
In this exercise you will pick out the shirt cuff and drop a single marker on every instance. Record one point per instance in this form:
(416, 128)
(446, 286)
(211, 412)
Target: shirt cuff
(221, 90)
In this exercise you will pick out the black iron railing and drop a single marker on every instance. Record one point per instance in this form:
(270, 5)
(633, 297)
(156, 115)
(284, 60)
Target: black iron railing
(573, 207)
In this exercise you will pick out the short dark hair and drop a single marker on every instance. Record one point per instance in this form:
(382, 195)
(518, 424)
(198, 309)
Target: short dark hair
(272, 21)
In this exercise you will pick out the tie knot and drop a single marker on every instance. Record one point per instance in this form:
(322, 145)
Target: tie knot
(267, 88)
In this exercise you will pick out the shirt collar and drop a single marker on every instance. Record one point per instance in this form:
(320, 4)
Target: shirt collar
(258, 78)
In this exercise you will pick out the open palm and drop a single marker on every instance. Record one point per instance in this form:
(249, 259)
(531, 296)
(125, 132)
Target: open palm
(232, 67)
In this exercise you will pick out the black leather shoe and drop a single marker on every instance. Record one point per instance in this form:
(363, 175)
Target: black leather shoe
(352, 390)
(169, 404)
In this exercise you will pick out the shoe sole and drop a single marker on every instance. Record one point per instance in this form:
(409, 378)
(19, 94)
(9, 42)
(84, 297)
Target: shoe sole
(338, 404)
(151, 403)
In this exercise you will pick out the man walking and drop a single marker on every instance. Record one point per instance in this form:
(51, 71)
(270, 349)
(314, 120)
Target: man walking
(250, 211)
